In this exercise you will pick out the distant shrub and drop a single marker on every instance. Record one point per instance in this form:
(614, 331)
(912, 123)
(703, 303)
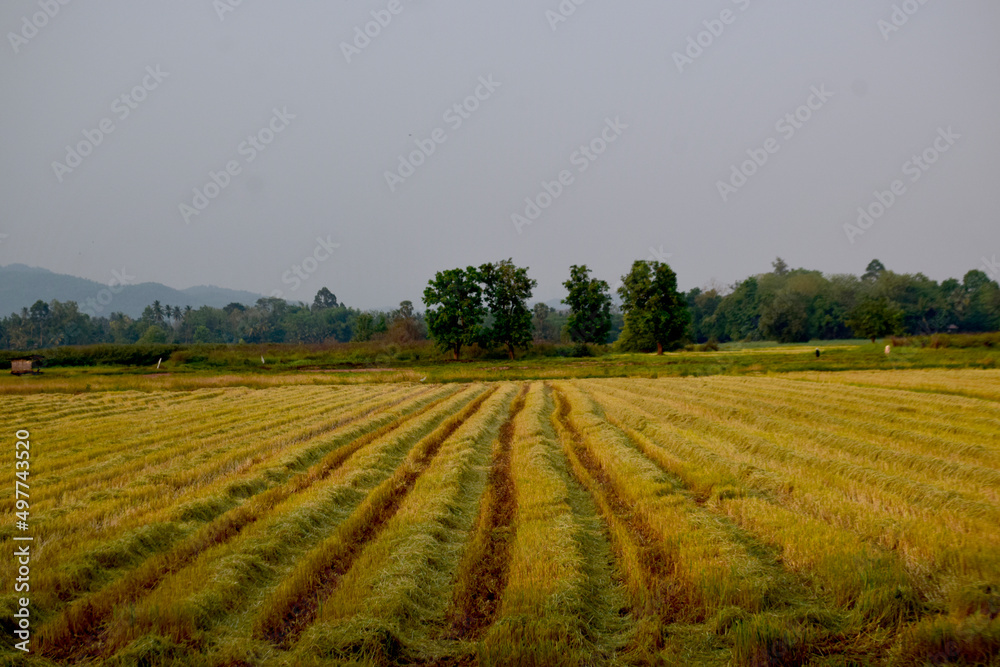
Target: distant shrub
(711, 346)
(107, 355)
(939, 341)
(188, 356)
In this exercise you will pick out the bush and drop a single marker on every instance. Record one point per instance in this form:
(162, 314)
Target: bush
(711, 346)
(98, 355)
(939, 341)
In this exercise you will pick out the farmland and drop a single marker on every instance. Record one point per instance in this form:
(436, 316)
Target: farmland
(749, 520)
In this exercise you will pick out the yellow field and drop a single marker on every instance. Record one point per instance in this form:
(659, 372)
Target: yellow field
(849, 518)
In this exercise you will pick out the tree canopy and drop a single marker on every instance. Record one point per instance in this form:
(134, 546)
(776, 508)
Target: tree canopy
(455, 312)
(488, 305)
(506, 290)
(589, 302)
(874, 318)
(653, 308)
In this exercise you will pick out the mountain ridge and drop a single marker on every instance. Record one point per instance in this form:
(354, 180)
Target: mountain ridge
(22, 285)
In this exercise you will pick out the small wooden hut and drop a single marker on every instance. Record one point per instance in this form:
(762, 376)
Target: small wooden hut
(25, 366)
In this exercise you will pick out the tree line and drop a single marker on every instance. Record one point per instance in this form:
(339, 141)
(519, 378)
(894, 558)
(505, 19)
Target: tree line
(269, 320)
(488, 306)
(797, 305)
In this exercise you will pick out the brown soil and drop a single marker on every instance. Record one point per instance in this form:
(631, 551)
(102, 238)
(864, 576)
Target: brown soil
(302, 613)
(475, 607)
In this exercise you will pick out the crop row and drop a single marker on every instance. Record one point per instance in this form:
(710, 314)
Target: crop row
(700, 521)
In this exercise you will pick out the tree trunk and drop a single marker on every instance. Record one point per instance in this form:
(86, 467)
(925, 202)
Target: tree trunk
(457, 349)
(510, 351)
(659, 348)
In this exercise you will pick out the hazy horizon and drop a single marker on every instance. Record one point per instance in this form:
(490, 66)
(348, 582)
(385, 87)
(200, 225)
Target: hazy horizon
(633, 140)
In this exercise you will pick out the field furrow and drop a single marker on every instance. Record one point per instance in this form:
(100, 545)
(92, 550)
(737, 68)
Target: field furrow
(875, 558)
(840, 440)
(394, 596)
(975, 383)
(849, 518)
(560, 603)
(86, 614)
(164, 518)
(222, 427)
(861, 486)
(295, 604)
(721, 576)
(483, 573)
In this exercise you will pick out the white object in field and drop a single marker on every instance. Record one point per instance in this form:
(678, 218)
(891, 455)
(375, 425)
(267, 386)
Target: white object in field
(262, 359)
(423, 378)
(887, 348)
(158, 363)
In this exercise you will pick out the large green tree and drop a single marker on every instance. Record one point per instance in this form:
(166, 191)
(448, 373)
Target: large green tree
(589, 301)
(506, 289)
(703, 306)
(785, 317)
(367, 325)
(652, 306)
(738, 316)
(405, 327)
(455, 314)
(873, 271)
(874, 318)
(324, 299)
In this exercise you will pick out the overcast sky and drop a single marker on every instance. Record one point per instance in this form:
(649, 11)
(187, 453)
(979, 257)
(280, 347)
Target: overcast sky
(312, 118)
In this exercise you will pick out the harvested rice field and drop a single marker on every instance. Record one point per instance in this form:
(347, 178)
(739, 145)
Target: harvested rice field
(772, 520)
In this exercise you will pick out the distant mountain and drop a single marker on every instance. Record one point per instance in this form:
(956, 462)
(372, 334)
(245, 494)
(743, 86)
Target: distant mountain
(21, 286)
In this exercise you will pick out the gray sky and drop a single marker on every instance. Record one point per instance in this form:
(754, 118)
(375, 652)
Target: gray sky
(886, 80)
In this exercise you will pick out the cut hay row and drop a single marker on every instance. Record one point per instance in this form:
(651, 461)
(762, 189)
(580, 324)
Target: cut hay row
(482, 574)
(790, 458)
(645, 516)
(866, 591)
(955, 444)
(914, 415)
(914, 412)
(391, 600)
(51, 411)
(723, 520)
(830, 533)
(850, 442)
(127, 458)
(213, 419)
(294, 605)
(975, 383)
(241, 573)
(74, 524)
(559, 605)
(706, 572)
(186, 382)
(263, 501)
(147, 480)
(110, 433)
(209, 502)
(935, 420)
(54, 407)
